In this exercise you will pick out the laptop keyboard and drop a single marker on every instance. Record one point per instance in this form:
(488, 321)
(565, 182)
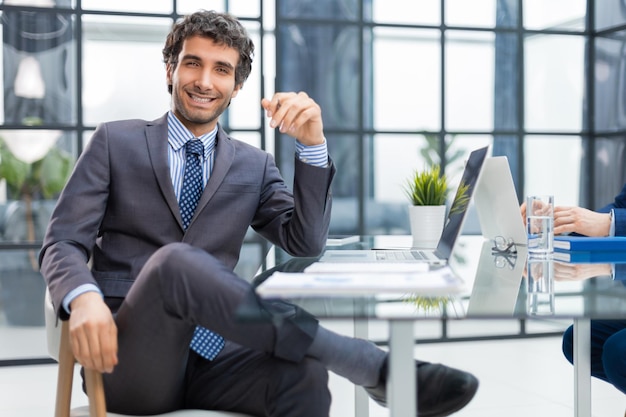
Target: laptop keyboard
(391, 255)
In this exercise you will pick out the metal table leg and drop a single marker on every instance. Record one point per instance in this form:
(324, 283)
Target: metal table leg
(582, 367)
(401, 392)
(361, 399)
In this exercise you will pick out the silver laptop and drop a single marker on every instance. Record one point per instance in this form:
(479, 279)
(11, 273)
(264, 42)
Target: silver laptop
(496, 202)
(449, 235)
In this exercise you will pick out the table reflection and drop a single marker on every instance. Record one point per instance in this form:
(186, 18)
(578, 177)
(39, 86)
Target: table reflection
(500, 284)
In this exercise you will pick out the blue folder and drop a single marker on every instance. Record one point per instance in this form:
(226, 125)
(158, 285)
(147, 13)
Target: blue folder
(594, 256)
(584, 243)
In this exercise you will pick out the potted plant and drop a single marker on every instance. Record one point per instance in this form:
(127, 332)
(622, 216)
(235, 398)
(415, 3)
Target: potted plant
(34, 172)
(427, 191)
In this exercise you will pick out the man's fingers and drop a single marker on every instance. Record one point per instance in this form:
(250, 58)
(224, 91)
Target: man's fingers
(82, 347)
(95, 347)
(109, 350)
(286, 108)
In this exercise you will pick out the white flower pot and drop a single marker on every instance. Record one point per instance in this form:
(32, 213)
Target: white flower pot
(426, 225)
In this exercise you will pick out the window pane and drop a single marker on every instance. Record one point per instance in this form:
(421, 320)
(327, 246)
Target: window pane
(610, 82)
(555, 14)
(323, 60)
(344, 150)
(506, 85)
(324, 9)
(609, 13)
(609, 157)
(469, 80)
(22, 290)
(43, 4)
(423, 12)
(396, 157)
(245, 109)
(38, 54)
(406, 95)
(554, 82)
(545, 174)
(251, 138)
(470, 13)
(131, 83)
(146, 6)
(239, 8)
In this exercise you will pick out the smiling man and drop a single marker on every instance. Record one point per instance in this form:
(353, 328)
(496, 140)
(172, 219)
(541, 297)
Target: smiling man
(161, 209)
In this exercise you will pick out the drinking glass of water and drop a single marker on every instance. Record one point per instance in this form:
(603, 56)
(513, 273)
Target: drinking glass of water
(540, 224)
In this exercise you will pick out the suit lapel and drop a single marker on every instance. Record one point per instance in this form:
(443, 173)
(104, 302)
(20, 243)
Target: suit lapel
(156, 140)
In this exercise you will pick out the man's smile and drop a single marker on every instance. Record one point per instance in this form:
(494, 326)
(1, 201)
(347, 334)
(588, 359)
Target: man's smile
(201, 99)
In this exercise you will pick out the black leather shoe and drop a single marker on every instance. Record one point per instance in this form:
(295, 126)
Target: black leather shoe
(441, 390)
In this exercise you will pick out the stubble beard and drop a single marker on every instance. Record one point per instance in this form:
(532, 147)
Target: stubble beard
(195, 116)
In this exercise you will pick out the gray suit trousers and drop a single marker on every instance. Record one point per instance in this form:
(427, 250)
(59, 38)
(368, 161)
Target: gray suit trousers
(262, 370)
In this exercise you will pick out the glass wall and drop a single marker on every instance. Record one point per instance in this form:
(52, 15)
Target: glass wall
(406, 84)
(401, 85)
(605, 160)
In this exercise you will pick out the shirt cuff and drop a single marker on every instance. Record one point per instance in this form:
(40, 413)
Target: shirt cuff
(76, 292)
(612, 229)
(316, 155)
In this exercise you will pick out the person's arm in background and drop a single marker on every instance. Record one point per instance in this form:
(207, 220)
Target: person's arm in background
(610, 220)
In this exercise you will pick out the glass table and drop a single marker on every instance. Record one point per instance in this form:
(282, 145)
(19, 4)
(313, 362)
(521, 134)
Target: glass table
(497, 285)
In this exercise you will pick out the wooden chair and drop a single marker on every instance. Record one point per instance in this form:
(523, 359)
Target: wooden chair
(59, 348)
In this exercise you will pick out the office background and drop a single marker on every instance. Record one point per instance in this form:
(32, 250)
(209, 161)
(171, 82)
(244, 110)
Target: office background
(401, 84)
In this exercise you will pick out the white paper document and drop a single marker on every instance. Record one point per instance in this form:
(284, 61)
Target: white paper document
(439, 281)
(330, 267)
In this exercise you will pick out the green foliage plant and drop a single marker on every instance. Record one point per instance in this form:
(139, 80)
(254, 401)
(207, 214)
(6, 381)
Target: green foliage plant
(428, 187)
(41, 179)
(44, 178)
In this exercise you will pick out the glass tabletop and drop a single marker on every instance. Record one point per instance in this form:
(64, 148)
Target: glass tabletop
(496, 284)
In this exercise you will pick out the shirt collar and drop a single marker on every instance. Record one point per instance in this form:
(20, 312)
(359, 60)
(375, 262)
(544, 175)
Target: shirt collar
(178, 135)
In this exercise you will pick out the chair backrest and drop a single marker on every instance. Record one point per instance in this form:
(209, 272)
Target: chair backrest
(53, 327)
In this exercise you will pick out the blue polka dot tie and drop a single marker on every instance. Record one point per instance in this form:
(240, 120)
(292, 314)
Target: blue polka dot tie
(192, 180)
(205, 343)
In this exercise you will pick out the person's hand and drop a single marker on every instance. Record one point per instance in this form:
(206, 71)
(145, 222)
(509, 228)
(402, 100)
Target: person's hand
(297, 115)
(582, 221)
(93, 333)
(522, 210)
(564, 271)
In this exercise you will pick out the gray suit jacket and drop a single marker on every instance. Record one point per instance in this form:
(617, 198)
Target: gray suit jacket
(119, 207)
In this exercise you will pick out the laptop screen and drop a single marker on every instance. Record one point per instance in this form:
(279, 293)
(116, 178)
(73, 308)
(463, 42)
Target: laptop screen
(460, 204)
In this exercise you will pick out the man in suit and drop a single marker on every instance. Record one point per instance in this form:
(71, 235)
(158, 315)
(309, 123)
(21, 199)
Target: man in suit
(156, 310)
(608, 337)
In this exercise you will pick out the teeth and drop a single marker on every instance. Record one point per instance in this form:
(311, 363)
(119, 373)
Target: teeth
(201, 99)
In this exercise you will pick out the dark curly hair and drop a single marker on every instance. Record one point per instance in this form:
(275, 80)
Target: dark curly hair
(223, 28)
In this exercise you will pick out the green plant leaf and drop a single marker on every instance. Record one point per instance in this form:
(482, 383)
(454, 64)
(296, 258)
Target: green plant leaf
(44, 178)
(55, 169)
(427, 187)
(14, 171)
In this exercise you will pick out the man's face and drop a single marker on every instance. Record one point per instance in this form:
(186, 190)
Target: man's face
(203, 83)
